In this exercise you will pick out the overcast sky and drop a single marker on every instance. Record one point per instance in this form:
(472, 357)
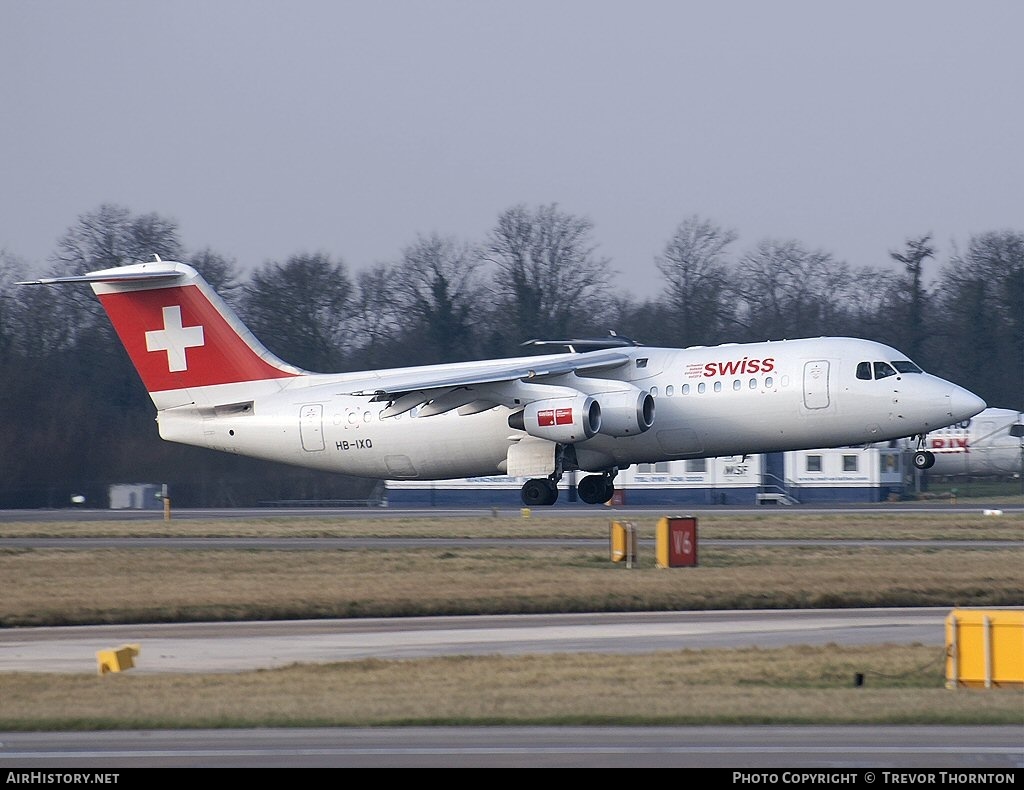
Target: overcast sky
(266, 129)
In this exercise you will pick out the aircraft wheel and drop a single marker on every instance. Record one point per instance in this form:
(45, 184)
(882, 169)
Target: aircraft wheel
(592, 489)
(924, 459)
(538, 492)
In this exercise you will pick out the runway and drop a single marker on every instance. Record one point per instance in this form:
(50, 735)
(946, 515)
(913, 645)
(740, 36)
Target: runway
(236, 647)
(578, 511)
(233, 647)
(988, 755)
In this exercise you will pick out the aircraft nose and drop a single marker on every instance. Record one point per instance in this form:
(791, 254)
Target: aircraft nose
(964, 404)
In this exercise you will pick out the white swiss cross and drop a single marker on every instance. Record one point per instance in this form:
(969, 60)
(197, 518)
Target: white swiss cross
(174, 338)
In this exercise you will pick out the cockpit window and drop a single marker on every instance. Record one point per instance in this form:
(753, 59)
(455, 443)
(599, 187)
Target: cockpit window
(883, 369)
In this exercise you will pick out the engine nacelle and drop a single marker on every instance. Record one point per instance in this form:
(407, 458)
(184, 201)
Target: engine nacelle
(626, 413)
(563, 420)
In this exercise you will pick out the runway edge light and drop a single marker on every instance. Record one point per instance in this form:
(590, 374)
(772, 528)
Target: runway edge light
(117, 659)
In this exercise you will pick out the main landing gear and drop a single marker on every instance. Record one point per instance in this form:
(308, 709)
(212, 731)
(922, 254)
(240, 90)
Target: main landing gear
(540, 491)
(595, 489)
(592, 489)
(923, 459)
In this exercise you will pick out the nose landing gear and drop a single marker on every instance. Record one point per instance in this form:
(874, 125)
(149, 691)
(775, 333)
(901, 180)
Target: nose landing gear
(923, 459)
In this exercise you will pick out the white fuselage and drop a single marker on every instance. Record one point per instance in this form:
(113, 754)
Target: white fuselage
(710, 401)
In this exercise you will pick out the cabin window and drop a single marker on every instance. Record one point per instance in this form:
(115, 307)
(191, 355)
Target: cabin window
(753, 384)
(864, 370)
(850, 463)
(367, 416)
(737, 384)
(814, 463)
(686, 389)
(883, 370)
(768, 382)
(701, 387)
(718, 386)
(654, 392)
(669, 391)
(697, 465)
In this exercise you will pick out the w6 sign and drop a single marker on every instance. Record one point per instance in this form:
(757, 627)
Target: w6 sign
(676, 542)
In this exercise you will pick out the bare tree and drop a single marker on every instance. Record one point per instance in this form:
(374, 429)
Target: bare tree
(871, 305)
(112, 236)
(914, 296)
(11, 270)
(549, 281)
(107, 237)
(980, 317)
(696, 277)
(377, 320)
(299, 309)
(435, 286)
(220, 272)
(785, 291)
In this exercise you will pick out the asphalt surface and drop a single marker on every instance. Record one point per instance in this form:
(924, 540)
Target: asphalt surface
(236, 647)
(786, 755)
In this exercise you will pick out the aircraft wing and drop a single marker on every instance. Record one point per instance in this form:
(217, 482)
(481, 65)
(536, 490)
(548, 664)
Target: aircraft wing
(481, 384)
(386, 385)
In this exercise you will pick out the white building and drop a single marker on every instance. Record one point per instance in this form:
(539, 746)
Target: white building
(135, 496)
(834, 475)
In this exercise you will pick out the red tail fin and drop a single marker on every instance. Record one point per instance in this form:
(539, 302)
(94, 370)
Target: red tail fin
(177, 331)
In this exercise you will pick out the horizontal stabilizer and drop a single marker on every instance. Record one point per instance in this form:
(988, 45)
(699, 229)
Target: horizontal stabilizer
(139, 273)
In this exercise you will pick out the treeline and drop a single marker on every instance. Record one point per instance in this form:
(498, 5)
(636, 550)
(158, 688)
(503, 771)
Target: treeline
(75, 417)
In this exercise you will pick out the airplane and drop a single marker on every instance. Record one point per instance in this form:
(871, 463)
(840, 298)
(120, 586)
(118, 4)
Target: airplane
(989, 444)
(596, 408)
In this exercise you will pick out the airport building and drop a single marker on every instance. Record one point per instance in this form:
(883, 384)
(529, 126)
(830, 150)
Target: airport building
(800, 477)
(136, 496)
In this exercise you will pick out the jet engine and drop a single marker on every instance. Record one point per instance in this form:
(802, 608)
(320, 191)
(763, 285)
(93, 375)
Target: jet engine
(563, 420)
(626, 413)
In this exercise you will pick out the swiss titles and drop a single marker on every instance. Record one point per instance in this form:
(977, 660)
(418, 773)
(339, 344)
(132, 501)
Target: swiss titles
(733, 367)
